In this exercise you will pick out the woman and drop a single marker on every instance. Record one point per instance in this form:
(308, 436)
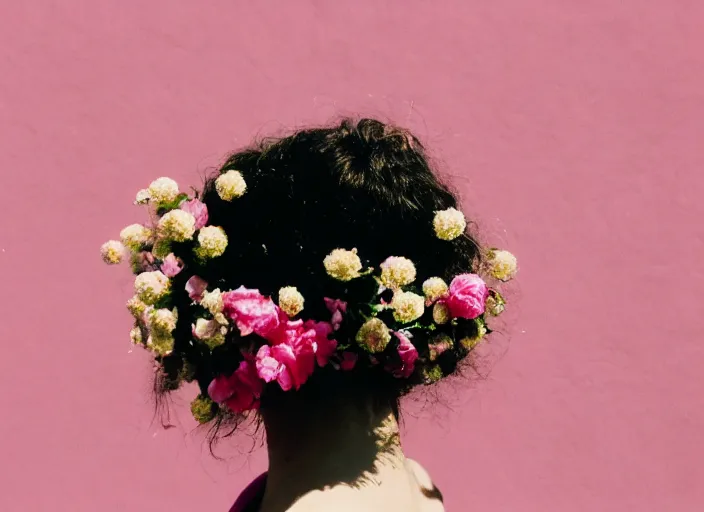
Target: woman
(314, 281)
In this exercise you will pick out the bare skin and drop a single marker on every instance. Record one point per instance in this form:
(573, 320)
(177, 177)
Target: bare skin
(343, 458)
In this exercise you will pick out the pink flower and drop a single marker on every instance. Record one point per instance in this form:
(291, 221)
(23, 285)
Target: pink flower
(291, 358)
(269, 368)
(171, 266)
(287, 331)
(349, 359)
(288, 366)
(144, 261)
(198, 210)
(336, 307)
(195, 287)
(467, 296)
(251, 311)
(299, 361)
(408, 354)
(240, 391)
(325, 346)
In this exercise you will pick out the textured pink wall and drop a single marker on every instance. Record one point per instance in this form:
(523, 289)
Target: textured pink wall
(574, 130)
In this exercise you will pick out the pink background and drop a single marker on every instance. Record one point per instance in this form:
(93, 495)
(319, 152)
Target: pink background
(573, 129)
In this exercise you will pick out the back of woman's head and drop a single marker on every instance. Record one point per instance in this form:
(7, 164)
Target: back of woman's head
(316, 263)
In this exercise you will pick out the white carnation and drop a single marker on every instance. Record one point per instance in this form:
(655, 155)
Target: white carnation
(449, 224)
(136, 335)
(151, 286)
(112, 252)
(290, 300)
(135, 236)
(142, 197)
(441, 313)
(502, 265)
(342, 264)
(407, 306)
(434, 288)
(177, 226)
(374, 335)
(209, 331)
(162, 190)
(162, 321)
(212, 242)
(230, 185)
(212, 301)
(161, 345)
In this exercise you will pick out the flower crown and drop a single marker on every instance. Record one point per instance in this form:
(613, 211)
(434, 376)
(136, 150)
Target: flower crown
(395, 325)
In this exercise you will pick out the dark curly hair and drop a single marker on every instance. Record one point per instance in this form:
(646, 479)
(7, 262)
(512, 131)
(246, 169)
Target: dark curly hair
(361, 184)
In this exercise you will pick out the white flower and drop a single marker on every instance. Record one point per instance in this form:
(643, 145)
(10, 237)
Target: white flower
(397, 271)
(202, 409)
(161, 345)
(212, 242)
(495, 303)
(112, 252)
(407, 306)
(342, 264)
(151, 286)
(290, 300)
(374, 335)
(142, 197)
(222, 320)
(209, 331)
(434, 288)
(136, 307)
(162, 190)
(136, 335)
(441, 313)
(135, 236)
(230, 185)
(449, 224)
(212, 301)
(162, 322)
(177, 226)
(502, 264)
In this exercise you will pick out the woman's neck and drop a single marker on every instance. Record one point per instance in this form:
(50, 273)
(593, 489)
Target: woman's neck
(316, 449)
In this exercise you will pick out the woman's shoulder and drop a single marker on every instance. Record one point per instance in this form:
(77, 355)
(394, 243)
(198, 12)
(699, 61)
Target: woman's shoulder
(427, 488)
(250, 498)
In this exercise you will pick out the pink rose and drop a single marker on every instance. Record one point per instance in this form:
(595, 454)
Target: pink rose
(251, 311)
(195, 287)
(325, 346)
(299, 361)
(198, 210)
(240, 391)
(291, 358)
(269, 368)
(467, 296)
(336, 308)
(348, 360)
(408, 354)
(283, 364)
(286, 331)
(171, 266)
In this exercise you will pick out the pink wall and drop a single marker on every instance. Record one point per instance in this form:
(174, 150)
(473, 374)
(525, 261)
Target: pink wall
(574, 130)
